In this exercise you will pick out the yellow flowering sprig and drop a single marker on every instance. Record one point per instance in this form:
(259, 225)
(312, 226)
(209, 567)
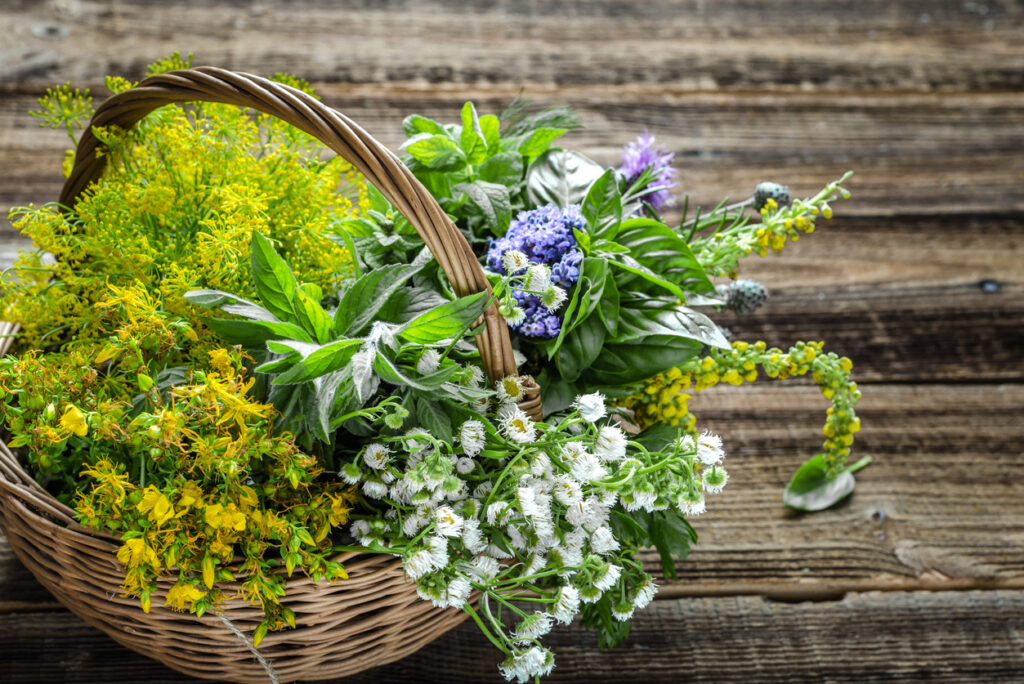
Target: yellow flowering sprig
(720, 252)
(665, 399)
(175, 210)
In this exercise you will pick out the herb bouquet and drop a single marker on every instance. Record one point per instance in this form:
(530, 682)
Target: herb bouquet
(302, 413)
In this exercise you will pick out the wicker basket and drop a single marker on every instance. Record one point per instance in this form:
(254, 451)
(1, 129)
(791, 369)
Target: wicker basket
(374, 617)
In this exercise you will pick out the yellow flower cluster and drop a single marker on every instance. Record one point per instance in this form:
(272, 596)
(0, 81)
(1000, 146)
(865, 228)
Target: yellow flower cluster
(664, 398)
(175, 211)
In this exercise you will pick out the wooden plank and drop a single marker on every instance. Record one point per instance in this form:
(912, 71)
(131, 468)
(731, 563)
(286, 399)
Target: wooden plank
(914, 154)
(865, 637)
(939, 509)
(732, 44)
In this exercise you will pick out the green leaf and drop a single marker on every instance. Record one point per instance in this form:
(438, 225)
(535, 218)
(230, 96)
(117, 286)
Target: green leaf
(811, 489)
(491, 202)
(580, 348)
(627, 263)
(561, 177)
(445, 321)
(409, 302)
(539, 141)
(274, 281)
(602, 206)
(254, 334)
(435, 151)
(368, 295)
(433, 418)
(635, 324)
(505, 168)
(623, 364)
(414, 124)
(490, 125)
(363, 377)
(608, 308)
(392, 374)
(312, 317)
(215, 299)
(665, 252)
(556, 394)
(322, 361)
(472, 140)
(552, 117)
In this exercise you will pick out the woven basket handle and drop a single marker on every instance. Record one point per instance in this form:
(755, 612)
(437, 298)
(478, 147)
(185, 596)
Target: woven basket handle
(377, 164)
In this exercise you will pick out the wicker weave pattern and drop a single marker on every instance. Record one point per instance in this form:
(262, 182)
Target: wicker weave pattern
(370, 619)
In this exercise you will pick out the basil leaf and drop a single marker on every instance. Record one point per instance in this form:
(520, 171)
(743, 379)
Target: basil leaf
(561, 177)
(365, 297)
(623, 364)
(581, 348)
(254, 334)
(539, 141)
(635, 324)
(445, 321)
(324, 360)
(472, 140)
(665, 252)
(414, 124)
(435, 151)
(505, 168)
(602, 206)
(433, 418)
(491, 202)
(627, 263)
(274, 281)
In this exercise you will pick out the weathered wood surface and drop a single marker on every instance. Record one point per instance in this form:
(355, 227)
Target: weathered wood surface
(919, 279)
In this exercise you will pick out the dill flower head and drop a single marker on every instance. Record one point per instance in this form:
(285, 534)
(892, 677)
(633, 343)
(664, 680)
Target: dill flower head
(640, 155)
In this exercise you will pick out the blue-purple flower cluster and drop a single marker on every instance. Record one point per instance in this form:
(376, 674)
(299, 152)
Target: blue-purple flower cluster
(546, 236)
(638, 156)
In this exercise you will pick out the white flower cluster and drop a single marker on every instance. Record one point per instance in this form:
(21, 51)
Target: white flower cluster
(517, 503)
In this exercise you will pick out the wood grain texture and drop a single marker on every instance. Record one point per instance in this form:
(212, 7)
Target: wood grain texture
(728, 44)
(916, 154)
(864, 637)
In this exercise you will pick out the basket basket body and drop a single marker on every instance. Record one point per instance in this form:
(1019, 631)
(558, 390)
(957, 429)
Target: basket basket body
(375, 616)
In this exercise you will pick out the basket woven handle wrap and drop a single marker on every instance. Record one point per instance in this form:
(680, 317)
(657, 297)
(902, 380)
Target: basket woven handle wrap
(377, 164)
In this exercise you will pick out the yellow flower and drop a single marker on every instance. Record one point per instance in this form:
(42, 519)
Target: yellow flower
(218, 516)
(158, 505)
(220, 360)
(181, 596)
(191, 495)
(73, 420)
(136, 551)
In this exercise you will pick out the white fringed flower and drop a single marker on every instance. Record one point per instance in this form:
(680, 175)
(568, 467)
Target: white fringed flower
(497, 513)
(438, 551)
(483, 568)
(510, 389)
(714, 479)
(376, 455)
(447, 522)
(567, 604)
(536, 662)
(645, 594)
(375, 489)
(603, 542)
(514, 261)
(516, 425)
(458, 591)
(567, 491)
(588, 469)
(538, 278)
(609, 576)
(610, 444)
(350, 473)
(691, 503)
(553, 298)
(591, 407)
(709, 449)
(472, 437)
(516, 316)
(532, 627)
(623, 612)
(418, 563)
(472, 537)
(464, 465)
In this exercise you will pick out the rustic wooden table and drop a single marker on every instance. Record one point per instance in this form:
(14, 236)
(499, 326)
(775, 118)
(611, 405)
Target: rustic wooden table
(919, 279)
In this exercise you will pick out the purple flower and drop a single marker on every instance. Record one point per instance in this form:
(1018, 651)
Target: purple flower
(546, 236)
(642, 154)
